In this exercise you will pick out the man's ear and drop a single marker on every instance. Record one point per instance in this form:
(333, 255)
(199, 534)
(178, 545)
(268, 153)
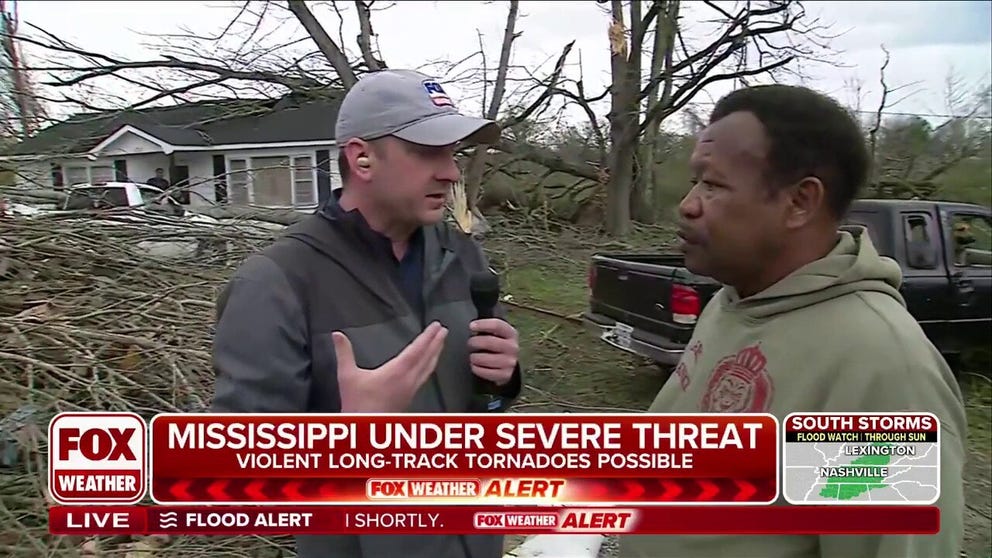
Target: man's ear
(805, 201)
(358, 154)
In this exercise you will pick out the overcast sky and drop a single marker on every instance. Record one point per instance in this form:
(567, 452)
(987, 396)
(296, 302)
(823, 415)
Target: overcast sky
(926, 39)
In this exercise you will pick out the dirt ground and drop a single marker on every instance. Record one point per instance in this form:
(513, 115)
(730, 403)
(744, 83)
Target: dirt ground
(572, 372)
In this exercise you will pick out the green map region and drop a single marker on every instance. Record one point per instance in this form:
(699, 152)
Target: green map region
(845, 488)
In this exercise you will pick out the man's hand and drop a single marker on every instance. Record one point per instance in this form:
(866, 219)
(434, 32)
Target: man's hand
(391, 387)
(495, 351)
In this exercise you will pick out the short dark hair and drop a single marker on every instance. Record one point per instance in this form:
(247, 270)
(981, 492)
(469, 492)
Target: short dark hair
(809, 134)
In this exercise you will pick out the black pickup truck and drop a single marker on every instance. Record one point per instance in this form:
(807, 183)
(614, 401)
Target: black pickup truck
(647, 304)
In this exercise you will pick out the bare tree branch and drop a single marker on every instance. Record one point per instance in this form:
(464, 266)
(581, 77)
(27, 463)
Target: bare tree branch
(110, 66)
(365, 36)
(327, 46)
(477, 164)
(873, 132)
(504, 61)
(545, 95)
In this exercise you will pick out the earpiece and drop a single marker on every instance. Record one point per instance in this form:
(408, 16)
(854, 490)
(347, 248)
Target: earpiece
(363, 162)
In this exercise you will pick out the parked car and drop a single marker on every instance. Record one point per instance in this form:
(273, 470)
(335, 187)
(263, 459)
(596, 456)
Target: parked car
(110, 195)
(648, 304)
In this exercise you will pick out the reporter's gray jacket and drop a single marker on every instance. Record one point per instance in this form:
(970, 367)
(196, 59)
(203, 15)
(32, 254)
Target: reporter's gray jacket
(273, 351)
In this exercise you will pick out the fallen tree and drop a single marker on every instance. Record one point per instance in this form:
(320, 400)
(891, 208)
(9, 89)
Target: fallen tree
(221, 212)
(90, 322)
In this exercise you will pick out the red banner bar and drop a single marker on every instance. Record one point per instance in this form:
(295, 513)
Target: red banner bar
(316, 520)
(467, 491)
(338, 458)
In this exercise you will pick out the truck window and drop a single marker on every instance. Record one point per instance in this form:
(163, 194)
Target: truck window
(921, 251)
(877, 231)
(972, 240)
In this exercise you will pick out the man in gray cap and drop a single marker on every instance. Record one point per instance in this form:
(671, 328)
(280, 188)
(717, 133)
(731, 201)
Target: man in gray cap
(365, 306)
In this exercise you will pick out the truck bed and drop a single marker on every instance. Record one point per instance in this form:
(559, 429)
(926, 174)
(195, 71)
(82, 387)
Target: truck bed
(646, 303)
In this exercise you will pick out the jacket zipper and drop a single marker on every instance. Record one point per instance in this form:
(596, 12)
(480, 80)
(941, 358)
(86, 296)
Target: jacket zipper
(427, 291)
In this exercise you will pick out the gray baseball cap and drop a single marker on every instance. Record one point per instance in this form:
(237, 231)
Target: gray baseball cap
(411, 106)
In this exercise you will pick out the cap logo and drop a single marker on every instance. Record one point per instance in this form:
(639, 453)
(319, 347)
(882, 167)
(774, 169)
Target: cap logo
(437, 94)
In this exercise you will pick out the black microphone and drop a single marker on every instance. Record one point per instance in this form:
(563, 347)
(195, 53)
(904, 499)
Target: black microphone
(485, 293)
(484, 287)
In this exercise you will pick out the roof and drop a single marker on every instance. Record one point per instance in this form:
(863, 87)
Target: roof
(205, 123)
(879, 203)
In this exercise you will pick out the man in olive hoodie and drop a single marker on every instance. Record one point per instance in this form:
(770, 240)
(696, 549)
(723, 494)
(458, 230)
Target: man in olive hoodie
(809, 319)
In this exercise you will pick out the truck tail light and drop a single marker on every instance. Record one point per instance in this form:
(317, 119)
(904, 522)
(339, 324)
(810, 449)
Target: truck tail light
(685, 304)
(591, 278)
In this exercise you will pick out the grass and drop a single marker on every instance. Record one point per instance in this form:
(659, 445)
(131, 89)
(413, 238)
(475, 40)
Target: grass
(572, 372)
(548, 286)
(977, 389)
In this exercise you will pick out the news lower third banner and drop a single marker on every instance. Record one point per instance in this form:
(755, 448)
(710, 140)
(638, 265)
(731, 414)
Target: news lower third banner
(527, 520)
(510, 473)
(428, 459)
(463, 459)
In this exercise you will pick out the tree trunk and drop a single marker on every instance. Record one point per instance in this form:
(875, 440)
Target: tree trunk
(641, 206)
(661, 212)
(477, 164)
(618, 194)
(474, 171)
(644, 206)
(624, 119)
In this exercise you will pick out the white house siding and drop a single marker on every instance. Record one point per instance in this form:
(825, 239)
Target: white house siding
(201, 176)
(32, 175)
(131, 144)
(144, 156)
(307, 151)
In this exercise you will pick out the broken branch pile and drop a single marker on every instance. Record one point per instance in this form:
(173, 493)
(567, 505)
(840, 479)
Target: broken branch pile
(111, 312)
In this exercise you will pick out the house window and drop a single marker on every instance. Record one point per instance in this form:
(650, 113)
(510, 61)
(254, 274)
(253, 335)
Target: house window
(273, 181)
(87, 174)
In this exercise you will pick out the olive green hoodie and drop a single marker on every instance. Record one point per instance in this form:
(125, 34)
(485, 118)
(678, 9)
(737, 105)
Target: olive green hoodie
(832, 336)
